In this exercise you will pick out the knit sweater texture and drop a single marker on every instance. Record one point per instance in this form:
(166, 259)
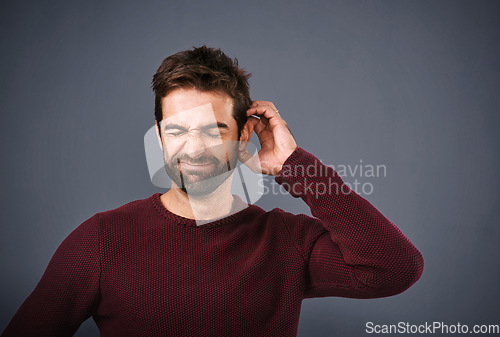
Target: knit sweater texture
(141, 270)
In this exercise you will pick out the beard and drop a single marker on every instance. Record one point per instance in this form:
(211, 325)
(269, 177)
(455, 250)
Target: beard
(200, 182)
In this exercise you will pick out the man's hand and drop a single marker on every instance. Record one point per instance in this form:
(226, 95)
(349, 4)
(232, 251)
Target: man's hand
(276, 140)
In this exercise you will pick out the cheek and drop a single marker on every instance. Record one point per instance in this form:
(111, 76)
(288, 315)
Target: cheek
(230, 143)
(170, 150)
(174, 146)
(231, 149)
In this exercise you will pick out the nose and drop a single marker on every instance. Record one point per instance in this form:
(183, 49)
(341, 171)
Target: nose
(195, 145)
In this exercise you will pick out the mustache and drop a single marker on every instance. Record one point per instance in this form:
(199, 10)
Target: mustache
(198, 161)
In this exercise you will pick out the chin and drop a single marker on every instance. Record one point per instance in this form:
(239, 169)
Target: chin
(200, 187)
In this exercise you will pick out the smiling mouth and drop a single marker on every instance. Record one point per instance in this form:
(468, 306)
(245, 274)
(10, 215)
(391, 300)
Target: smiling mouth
(195, 164)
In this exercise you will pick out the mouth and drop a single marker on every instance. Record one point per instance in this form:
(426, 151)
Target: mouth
(195, 165)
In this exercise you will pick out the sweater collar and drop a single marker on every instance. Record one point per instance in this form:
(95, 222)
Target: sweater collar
(239, 209)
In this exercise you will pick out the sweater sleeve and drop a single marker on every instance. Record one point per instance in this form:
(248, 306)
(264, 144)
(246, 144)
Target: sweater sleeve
(350, 248)
(68, 292)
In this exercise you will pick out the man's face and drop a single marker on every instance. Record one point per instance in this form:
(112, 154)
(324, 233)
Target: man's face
(199, 138)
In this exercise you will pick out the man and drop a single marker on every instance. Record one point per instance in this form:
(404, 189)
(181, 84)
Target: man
(199, 261)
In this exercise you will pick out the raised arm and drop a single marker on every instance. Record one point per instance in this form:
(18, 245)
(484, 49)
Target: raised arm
(351, 248)
(68, 291)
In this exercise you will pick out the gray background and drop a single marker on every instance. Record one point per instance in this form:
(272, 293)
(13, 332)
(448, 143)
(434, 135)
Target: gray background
(413, 85)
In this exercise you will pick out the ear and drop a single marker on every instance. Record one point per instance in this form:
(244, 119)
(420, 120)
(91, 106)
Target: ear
(158, 135)
(246, 132)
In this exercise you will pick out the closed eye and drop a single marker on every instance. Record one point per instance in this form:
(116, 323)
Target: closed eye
(175, 133)
(213, 135)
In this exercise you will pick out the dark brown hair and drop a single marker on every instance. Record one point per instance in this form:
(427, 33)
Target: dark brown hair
(204, 69)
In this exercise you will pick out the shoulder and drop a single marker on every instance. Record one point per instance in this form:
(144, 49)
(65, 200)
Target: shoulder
(130, 213)
(130, 207)
(291, 218)
(300, 226)
(293, 223)
(127, 217)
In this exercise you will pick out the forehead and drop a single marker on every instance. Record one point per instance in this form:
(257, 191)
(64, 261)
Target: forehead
(189, 106)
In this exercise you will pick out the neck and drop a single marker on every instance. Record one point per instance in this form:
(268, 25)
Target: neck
(206, 207)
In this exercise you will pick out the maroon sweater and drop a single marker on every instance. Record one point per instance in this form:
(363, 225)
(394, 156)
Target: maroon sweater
(140, 270)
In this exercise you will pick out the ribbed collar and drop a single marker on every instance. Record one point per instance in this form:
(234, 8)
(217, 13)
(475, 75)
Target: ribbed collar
(238, 210)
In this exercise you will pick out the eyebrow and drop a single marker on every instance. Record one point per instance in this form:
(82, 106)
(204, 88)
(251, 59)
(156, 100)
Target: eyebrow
(219, 125)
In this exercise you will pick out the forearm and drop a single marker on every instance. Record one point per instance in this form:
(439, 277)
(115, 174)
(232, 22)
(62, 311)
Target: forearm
(379, 255)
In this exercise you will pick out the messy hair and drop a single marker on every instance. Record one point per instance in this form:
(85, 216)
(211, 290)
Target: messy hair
(204, 69)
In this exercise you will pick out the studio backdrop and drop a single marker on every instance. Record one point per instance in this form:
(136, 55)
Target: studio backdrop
(400, 97)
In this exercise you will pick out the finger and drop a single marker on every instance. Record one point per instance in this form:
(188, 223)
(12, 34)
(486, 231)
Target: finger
(260, 103)
(263, 122)
(257, 124)
(267, 112)
(259, 127)
(259, 109)
(253, 120)
(270, 106)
